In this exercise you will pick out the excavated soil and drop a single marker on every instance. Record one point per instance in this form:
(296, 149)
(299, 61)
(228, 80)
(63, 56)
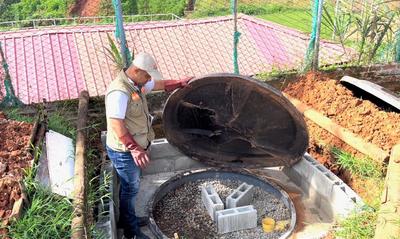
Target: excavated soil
(85, 8)
(362, 117)
(14, 158)
(14, 155)
(10, 192)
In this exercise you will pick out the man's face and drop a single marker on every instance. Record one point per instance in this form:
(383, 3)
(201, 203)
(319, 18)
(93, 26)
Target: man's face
(142, 77)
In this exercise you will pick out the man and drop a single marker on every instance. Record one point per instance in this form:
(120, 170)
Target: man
(129, 131)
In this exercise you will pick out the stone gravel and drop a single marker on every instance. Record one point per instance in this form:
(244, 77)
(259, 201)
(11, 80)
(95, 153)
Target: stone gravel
(182, 211)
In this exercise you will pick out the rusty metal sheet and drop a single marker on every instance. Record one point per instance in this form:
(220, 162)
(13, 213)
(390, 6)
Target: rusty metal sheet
(229, 120)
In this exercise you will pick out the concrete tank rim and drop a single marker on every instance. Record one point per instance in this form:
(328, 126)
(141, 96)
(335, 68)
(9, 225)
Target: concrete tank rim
(178, 180)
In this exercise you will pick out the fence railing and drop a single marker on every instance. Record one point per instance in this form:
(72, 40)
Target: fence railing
(35, 23)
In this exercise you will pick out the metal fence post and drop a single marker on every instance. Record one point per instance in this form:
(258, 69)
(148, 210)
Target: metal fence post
(317, 36)
(120, 33)
(236, 36)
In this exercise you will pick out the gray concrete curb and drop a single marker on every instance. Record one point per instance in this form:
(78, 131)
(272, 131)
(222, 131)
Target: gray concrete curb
(329, 192)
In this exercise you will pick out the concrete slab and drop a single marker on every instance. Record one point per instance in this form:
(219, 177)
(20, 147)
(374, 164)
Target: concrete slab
(61, 162)
(235, 219)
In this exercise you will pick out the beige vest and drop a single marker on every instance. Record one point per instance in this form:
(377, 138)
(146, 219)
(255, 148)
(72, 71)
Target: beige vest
(137, 119)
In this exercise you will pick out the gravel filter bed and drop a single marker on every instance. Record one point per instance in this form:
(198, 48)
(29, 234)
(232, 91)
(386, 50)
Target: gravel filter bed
(182, 211)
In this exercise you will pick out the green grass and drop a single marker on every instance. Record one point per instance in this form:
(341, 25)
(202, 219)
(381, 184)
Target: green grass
(48, 215)
(366, 167)
(56, 121)
(359, 225)
(16, 114)
(296, 18)
(59, 123)
(369, 177)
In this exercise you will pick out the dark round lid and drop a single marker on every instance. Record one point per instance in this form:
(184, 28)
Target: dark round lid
(230, 120)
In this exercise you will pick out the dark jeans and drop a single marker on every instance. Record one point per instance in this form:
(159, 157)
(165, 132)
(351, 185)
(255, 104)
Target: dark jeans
(129, 175)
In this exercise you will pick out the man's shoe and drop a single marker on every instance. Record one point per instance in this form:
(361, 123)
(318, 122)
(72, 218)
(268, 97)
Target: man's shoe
(143, 221)
(141, 235)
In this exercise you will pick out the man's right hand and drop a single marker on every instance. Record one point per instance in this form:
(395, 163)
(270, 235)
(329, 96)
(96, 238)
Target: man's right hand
(140, 157)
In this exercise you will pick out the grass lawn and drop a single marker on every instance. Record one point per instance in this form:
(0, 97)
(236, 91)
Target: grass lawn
(296, 18)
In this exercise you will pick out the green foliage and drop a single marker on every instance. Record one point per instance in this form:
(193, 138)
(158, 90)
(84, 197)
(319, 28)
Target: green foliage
(5, 9)
(359, 225)
(16, 114)
(48, 216)
(339, 25)
(61, 124)
(176, 7)
(206, 8)
(114, 54)
(33, 9)
(369, 30)
(373, 28)
(361, 167)
(106, 8)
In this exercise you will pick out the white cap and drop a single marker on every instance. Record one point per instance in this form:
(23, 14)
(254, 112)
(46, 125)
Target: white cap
(146, 62)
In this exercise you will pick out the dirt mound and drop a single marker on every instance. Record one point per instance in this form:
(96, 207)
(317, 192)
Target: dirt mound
(362, 117)
(10, 192)
(14, 155)
(14, 158)
(85, 8)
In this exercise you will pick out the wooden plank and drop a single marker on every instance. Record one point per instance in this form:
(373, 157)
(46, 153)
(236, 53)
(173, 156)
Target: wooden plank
(344, 134)
(388, 225)
(78, 225)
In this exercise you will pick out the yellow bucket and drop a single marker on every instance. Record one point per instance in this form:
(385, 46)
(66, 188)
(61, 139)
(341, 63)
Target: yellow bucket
(268, 224)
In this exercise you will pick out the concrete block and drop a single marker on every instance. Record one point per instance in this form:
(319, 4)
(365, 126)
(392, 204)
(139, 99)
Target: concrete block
(159, 166)
(241, 196)
(344, 201)
(162, 149)
(106, 224)
(166, 158)
(310, 173)
(184, 162)
(211, 200)
(235, 219)
(322, 187)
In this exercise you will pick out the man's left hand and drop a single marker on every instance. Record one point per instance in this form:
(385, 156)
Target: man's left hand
(171, 85)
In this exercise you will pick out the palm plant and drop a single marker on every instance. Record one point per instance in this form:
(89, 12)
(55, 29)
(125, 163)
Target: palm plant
(114, 54)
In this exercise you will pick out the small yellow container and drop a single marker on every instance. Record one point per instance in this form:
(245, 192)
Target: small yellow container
(268, 224)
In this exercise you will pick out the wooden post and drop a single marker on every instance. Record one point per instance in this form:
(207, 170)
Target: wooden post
(373, 151)
(78, 225)
(388, 225)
